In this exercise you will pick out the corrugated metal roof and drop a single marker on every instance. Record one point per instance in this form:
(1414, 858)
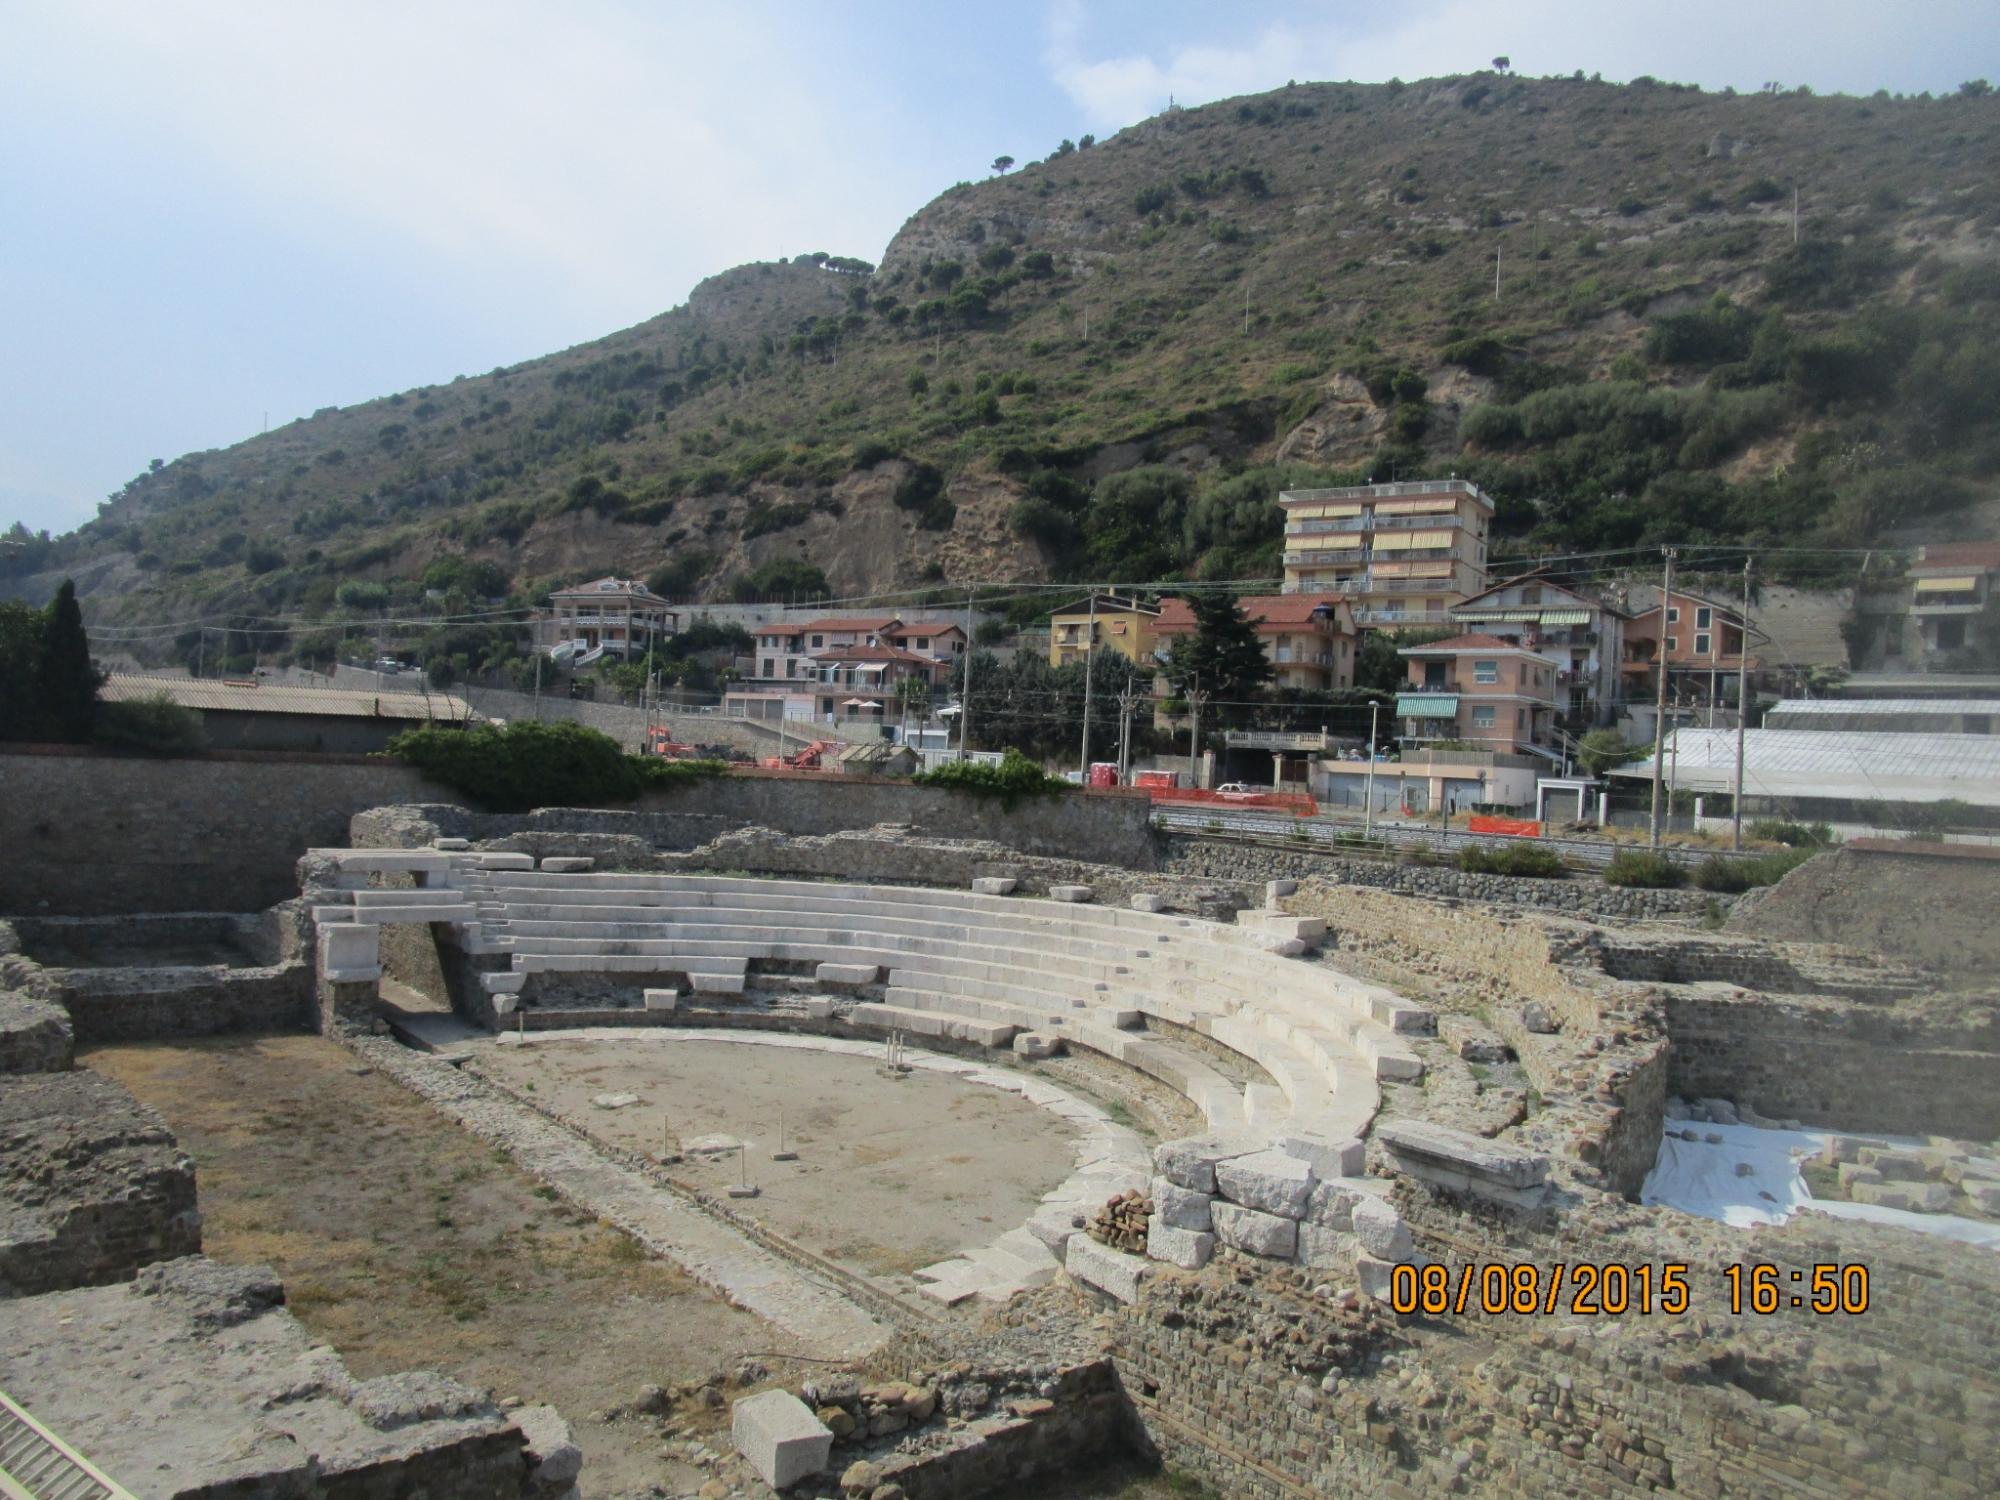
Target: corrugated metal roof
(236, 697)
(1851, 766)
(1842, 707)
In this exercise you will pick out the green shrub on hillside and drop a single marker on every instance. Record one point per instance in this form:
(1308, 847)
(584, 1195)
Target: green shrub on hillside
(1643, 870)
(529, 765)
(1718, 874)
(1795, 835)
(1012, 781)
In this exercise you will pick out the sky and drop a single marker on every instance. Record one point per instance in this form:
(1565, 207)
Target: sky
(216, 213)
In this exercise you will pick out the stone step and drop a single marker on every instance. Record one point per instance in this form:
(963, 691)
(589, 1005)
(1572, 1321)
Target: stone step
(876, 1017)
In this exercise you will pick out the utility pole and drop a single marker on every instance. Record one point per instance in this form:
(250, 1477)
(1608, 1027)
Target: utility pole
(1196, 697)
(538, 683)
(1660, 703)
(965, 697)
(1795, 216)
(1128, 700)
(1368, 790)
(1089, 651)
(1742, 714)
(1246, 307)
(1496, 273)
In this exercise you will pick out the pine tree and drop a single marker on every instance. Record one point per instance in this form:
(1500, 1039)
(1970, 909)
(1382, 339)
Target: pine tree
(1223, 654)
(69, 680)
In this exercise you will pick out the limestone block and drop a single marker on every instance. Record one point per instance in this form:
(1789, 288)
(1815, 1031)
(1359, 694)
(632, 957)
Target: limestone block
(1269, 1181)
(1839, 1149)
(665, 999)
(1972, 1169)
(1326, 1158)
(1374, 1276)
(1148, 901)
(1112, 1272)
(993, 885)
(1281, 924)
(1381, 1230)
(1268, 1235)
(1894, 1165)
(1190, 1162)
(1071, 893)
(819, 1008)
(847, 976)
(506, 1005)
(716, 984)
(508, 982)
(1189, 1249)
(1274, 889)
(780, 1436)
(1916, 1197)
(1035, 1044)
(1332, 1203)
(496, 860)
(1418, 1144)
(1054, 1224)
(554, 1460)
(1278, 943)
(1323, 1248)
(567, 864)
(1535, 1017)
(1177, 1207)
(1852, 1175)
(451, 846)
(350, 945)
(1985, 1196)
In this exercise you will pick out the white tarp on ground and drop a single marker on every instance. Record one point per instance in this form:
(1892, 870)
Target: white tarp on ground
(1698, 1177)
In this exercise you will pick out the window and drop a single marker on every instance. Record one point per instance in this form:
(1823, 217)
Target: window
(923, 643)
(1486, 671)
(1673, 614)
(1701, 618)
(1520, 718)
(1673, 643)
(1702, 643)
(1482, 716)
(1950, 635)
(764, 668)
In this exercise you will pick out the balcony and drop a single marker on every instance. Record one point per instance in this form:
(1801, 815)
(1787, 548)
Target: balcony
(1292, 656)
(1352, 557)
(1406, 586)
(1393, 616)
(1405, 490)
(1272, 739)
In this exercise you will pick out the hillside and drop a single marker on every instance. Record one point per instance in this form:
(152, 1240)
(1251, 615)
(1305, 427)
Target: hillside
(1102, 365)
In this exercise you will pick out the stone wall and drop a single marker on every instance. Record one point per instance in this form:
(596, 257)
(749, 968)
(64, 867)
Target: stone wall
(89, 833)
(1584, 895)
(34, 1034)
(1602, 1077)
(1909, 1069)
(92, 1185)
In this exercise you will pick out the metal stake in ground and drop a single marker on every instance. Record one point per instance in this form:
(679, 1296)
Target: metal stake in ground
(783, 1153)
(742, 1188)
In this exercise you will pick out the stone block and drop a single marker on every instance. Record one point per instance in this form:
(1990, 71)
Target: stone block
(819, 1008)
(1071, 893)
(1374, 1276)
(509, 982)
(350, 945)
(1852, 1175)
(1985, 1196)
(1245, 1229)
(1894, 1165)
(1332, 1203)
(1177, 1207)
(1535, 1017)
(554, 1460)
(1417, 1144)
(1190, 1161)
(451, 846)
(1322, 1248)
(1112, 1272)
(500, 860)
(1914, 1197)
(1269, 1181)
(1149, 901)
(1275, 889)
(506, 1004)
(1327, 1158)
(664, 999)
(1035, 1044)
(1839, 1149)
(847, 976)
(716, 984)
(35, 1035)
(993, 885)
(1189, 1249)
(1380, 1230)
(567, 864)
(783, 1441)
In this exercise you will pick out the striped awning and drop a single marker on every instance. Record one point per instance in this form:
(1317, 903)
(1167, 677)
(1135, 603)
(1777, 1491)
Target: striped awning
(1427, 705)
(1565, 617)
(1946, 585)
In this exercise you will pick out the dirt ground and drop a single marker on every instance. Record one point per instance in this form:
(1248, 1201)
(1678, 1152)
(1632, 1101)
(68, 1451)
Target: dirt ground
(405, 1243)
(893, 1172)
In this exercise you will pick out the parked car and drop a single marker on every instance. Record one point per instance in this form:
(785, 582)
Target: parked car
(1236, 789)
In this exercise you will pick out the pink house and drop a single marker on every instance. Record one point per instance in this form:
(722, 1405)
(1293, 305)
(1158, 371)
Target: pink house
(1485, 692)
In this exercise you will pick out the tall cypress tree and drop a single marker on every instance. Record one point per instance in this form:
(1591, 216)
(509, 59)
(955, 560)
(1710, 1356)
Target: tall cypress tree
(69, 681)
(1224, 653)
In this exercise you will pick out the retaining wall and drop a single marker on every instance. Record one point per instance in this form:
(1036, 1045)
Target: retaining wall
(1583, 894)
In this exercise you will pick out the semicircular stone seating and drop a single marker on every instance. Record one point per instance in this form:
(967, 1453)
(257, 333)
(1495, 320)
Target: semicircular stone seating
(979, 968)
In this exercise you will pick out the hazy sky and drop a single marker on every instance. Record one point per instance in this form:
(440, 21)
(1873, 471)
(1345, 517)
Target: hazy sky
(211, 211)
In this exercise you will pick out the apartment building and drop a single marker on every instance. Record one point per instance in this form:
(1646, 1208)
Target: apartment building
(1401, 554)
(1482, 691)
(1309, 639)
(1705, 644)
(1584, 634)
(792, 652)
(1122, 625)
(610, 617)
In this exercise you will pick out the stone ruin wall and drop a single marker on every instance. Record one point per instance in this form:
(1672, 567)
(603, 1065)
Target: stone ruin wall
(1603, 1111)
